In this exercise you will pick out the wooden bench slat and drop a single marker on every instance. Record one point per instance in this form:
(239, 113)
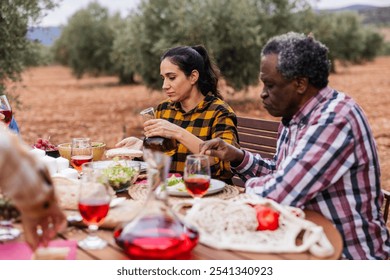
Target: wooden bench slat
(256, 136)
(258, 123)
(264, 133)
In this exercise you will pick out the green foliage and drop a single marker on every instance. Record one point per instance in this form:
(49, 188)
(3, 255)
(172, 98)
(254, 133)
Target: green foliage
(343, 33)
(36, 54)
(232, 31)
(15, 16)
(85, 43)
(385, 50)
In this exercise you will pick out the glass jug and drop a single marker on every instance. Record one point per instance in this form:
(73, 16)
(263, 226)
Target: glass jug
(157, 143)
(156, 232)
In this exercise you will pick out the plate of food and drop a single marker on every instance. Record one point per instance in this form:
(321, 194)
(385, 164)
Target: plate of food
(176, 187)
(120, 176)
(108, 163)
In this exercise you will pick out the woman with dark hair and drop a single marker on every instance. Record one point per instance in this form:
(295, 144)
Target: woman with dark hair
(194, 111)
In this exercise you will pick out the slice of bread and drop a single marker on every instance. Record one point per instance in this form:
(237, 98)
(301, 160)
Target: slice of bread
(126, 152)
(51, 253)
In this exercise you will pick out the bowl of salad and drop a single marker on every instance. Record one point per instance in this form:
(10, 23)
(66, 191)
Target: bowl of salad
(120, 176)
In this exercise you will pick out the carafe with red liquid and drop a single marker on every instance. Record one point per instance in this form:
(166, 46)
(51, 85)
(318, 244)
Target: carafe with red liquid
(157, 232)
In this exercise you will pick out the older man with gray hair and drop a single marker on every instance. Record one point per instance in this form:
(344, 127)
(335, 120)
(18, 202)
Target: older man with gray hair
(326, 158)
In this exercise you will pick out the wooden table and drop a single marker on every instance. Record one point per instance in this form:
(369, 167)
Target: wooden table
(201, 252)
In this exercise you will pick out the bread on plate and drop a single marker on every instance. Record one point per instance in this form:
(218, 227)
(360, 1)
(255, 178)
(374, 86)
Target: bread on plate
(126, 152)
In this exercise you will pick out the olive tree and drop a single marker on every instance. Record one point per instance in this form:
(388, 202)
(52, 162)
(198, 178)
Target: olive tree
(86, 41)
(348, 40)
(15, 17)
(232, 31)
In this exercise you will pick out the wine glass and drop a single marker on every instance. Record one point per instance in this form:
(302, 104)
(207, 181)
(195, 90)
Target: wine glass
(81, 152)
(5, 109)
(197, 175)
(94, 203)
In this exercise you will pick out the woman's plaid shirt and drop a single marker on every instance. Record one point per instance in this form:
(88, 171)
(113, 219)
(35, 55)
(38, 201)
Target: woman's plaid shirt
(210, 119)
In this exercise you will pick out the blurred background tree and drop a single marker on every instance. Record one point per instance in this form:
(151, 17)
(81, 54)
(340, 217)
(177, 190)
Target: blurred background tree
(15, 17)
(348, 40)
(86, 42)
(234, 32)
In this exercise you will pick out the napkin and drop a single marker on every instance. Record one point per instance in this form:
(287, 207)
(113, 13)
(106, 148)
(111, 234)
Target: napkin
(21, 250)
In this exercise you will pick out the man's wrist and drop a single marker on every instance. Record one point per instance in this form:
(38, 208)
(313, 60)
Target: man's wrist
(239, 157)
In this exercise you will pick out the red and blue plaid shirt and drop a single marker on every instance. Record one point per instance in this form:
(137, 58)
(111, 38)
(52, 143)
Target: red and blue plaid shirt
(326, 161)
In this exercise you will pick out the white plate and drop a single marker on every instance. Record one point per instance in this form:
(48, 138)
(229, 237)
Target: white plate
(106, 163)
(215, 186)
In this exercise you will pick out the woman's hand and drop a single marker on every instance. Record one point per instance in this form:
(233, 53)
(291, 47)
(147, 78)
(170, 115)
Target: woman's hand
(163, 128)
(131, 143)
(50, 223)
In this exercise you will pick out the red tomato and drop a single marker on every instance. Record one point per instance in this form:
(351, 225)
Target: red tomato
(267, 217)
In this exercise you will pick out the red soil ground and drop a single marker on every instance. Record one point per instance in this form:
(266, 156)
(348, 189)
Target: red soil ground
(54, 104)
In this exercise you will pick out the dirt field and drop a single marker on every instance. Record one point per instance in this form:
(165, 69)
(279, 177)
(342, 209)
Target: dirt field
(56, 105)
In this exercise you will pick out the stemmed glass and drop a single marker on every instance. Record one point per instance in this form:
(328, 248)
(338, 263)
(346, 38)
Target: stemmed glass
(197, 175)
(81, 152)
(5, 109)
(94, 203)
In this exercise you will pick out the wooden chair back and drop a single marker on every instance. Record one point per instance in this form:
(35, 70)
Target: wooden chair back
(386, 204)
(256, 136)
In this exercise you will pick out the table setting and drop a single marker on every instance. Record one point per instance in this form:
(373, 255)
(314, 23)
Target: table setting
(222, 216)
(140, 208)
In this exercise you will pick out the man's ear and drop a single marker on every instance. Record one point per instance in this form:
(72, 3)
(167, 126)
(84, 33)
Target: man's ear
(301, 84)
(194, 76)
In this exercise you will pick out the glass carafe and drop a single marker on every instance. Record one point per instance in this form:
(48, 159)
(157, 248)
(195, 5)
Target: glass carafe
(157, 143)
(156, 232)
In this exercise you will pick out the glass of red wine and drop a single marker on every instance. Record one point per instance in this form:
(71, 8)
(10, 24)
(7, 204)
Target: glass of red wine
(5, 109)
(94, 203)
(81, 152)
(197, 175)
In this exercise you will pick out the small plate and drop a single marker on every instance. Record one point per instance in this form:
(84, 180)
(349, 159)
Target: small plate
(215, 186)
(106, 163)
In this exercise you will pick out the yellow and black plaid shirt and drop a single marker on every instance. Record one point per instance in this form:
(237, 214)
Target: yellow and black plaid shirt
(212, 118)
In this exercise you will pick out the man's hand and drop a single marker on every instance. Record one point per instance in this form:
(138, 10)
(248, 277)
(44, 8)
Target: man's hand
(219, 148)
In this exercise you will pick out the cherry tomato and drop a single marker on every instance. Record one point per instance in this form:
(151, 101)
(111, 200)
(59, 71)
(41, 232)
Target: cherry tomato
(267, 217)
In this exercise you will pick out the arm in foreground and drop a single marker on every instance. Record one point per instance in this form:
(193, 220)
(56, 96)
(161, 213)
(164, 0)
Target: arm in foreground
(27, 183)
